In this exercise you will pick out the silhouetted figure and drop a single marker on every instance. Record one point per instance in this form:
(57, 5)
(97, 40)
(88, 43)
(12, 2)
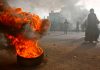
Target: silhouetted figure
(66, 25)
(92, 31)
(77, 26)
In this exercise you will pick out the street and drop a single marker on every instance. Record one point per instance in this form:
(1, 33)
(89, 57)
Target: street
(64, 52)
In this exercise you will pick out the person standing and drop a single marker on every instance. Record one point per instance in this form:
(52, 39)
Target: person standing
(92, 31)
(77, 26)
(66, 26)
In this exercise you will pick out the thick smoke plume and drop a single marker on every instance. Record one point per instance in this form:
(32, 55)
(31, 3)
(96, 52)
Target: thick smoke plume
(26, 28)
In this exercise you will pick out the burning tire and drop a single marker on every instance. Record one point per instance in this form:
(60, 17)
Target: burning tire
(21, 61)
(23, 30)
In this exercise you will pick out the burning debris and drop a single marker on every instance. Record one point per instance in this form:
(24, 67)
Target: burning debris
(23, 31)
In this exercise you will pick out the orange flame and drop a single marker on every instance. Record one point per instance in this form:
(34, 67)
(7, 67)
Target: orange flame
(27, 48)
(15, 18)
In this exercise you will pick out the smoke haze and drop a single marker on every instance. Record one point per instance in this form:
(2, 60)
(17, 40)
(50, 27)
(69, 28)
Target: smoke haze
(42, 7)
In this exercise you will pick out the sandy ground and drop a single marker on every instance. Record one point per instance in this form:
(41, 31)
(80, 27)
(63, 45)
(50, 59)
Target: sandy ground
(62, 52)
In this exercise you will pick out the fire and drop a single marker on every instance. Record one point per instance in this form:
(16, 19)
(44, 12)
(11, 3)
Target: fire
(14, 19)
(27, 48)
(17, 18)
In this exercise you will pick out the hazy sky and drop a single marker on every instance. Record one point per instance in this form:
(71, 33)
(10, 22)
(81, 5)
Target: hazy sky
(42, 7)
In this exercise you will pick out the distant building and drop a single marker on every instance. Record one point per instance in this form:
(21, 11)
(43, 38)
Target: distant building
(56, 20)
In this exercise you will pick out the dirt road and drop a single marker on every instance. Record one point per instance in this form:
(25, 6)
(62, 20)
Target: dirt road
(67, 53)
